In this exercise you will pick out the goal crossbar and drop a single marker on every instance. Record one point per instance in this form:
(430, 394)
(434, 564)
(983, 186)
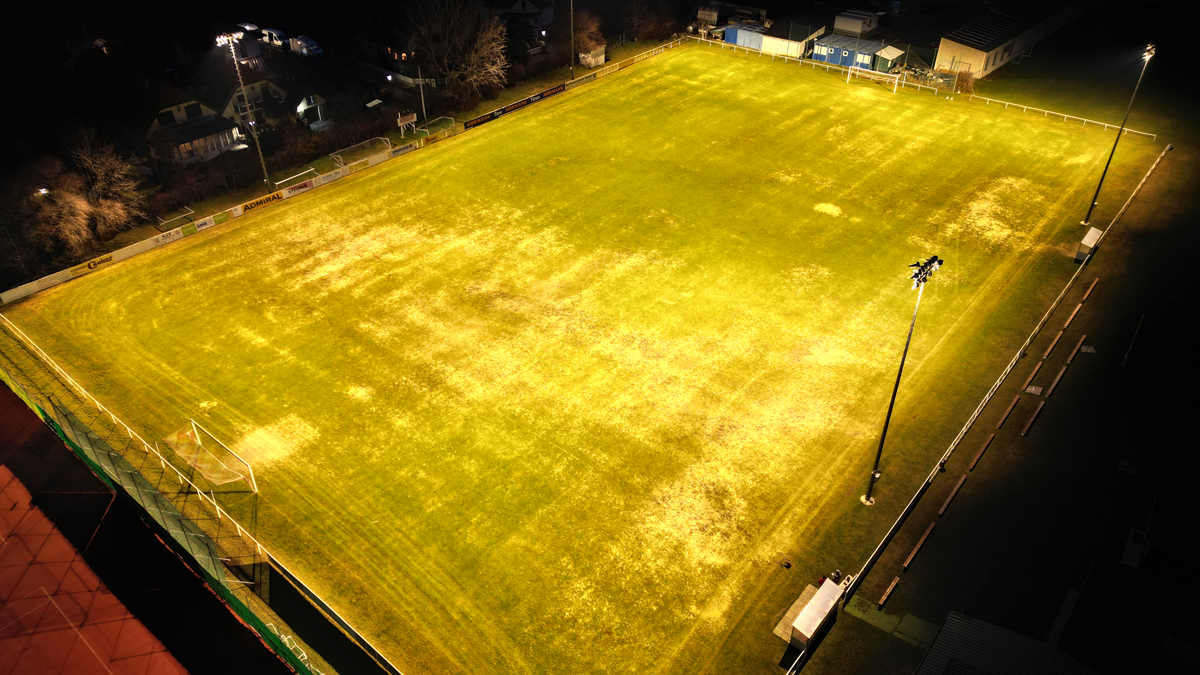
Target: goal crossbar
(249, 469)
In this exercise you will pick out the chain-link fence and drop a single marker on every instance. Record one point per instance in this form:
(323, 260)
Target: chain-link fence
(178, 503)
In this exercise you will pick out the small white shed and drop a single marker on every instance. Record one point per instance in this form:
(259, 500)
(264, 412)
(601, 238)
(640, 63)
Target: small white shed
(815, 614)
(1088, 244)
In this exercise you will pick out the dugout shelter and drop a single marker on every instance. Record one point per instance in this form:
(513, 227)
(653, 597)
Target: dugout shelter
(844, 50)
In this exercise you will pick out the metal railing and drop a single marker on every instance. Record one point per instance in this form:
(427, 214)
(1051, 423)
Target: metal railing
(941, 463)
(209, 500)
(1065, 117)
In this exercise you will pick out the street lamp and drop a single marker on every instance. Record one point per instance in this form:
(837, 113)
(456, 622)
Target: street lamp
(232, 39)
(1146, 56)
(922, 271)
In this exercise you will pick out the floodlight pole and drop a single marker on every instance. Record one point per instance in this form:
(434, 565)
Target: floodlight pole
(1149, 53)
(231, 39)
(421, 85)
(924, 270)
(572, 39)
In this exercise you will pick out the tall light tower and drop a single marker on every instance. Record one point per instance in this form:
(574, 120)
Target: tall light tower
(572, 39)
(1146, 56)
(922, 272)
(232, 39)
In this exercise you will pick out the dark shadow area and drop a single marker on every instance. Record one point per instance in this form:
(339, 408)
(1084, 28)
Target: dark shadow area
(151, 581)
(318, 632)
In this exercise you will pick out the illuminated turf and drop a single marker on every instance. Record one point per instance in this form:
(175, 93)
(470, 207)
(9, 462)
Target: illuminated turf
(555, 395)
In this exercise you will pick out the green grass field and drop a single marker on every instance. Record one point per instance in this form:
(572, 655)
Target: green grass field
(558, 394)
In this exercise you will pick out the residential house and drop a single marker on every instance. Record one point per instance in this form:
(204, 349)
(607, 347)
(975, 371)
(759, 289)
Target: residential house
(188, 130)
(256, 100)
(536, 14)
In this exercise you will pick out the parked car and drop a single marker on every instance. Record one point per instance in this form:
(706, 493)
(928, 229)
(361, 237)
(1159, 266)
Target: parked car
(306, 46)
(275, 38)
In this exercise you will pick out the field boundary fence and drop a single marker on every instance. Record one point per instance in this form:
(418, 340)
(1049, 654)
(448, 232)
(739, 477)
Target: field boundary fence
(991, 392)
(1065, 117)
(175, 502)
(343, 170)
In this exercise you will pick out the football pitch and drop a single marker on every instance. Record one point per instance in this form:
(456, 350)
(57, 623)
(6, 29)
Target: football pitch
(557, 395)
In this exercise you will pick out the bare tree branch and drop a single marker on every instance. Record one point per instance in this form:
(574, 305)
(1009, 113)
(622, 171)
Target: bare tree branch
(463, 44)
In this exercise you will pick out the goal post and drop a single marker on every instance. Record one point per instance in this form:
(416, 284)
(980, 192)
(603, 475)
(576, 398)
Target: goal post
(209, 457)
(243, 462)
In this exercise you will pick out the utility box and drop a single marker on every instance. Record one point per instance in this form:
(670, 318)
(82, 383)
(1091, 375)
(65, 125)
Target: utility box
(816, 614)
(1088, 244)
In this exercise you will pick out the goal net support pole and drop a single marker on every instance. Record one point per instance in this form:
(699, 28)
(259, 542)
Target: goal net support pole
(249, 469)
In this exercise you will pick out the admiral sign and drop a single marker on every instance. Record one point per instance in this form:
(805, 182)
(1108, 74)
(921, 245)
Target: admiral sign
(261, 201)
(500, 112)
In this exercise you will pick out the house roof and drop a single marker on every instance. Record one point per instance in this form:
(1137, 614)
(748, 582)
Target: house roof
(968, 645)
(170, 96)
(751, 27)
(191, 130)
(987, 32)
(891, 53)
(850, 42)
(215, 80)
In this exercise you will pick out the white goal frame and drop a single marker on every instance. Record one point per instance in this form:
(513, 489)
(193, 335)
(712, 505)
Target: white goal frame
(249, 469)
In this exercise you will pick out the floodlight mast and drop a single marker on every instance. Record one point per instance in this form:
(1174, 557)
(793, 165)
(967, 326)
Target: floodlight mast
(1146, 56)
(232, 39)
(922, 271)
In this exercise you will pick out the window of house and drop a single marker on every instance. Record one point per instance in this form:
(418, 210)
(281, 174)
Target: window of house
(192, 110)
(308, 100)
(845, 53)
(166, 117)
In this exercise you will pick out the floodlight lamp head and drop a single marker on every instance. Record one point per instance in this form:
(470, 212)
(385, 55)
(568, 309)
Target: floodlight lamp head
(1149, 53)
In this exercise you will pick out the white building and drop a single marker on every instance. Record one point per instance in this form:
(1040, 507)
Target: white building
(981, 46)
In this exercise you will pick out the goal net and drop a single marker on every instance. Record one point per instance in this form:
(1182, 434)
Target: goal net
(209, 456)
(360, 151)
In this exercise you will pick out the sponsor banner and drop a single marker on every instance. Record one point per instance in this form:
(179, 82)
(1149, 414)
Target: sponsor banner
(53, 279)
(381, 157)
(404, 149)
(189, 229)
(205, 223)
(91, 265)
(513, 107)
(260, 202)
(235, 212)
(326, 178)
(220, 217)
(626, 63)
(133, 249)
(586, 78)
(293, 190)
(168, 237)
(410, 118)
(19, 292)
